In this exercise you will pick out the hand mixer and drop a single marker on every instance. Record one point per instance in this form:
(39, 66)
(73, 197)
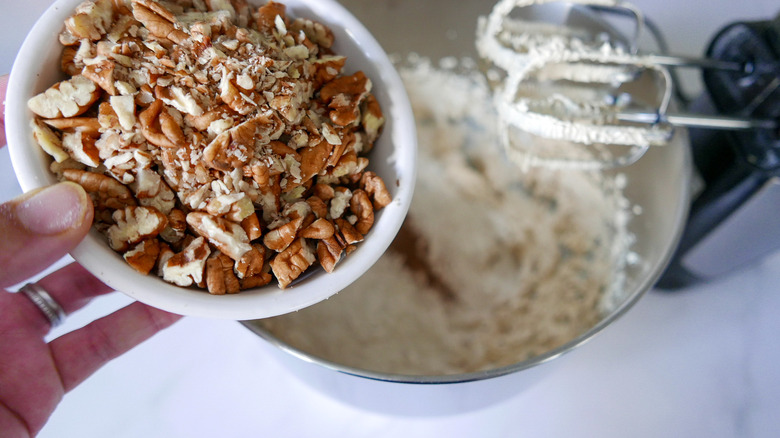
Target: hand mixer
(573, 91)
(603, 88)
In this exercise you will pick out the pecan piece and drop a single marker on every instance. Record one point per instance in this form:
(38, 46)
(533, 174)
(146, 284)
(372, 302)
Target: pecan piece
(102, 74)
(348, 232)
(315, 31)
(87, 125)
(373, 120)
(134, 224)
(159, 20)
(227, 236)
(186, 267)
(152, 126)
(344, 95)
(105, 191)
(329, 253)
(81, 148)
(251, 225)
(319, 229)
(48, 141)
(375, 187)
(313, 161)
(151, 190)
(251, 263)
(258, 280)
(361, 207)
(177, 226)
(67, 98)
(266, 16)
(143, 257)
(318, 206)
(280, 238)
(91, 20)
(292, 262)
(220, 278)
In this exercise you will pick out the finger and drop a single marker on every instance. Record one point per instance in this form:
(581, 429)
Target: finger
(80, 353)
(40, 227)
(3, 87)
(72, 287)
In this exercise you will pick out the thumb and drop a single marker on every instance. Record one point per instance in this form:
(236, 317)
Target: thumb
(3, 87)
(39, 227)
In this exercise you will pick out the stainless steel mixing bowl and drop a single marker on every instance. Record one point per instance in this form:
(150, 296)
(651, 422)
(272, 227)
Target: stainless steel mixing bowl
(659, 183)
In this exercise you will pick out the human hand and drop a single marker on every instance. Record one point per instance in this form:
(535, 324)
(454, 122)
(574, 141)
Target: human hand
(37, 229)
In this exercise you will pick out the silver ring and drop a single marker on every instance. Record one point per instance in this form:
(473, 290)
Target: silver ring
(43, 301)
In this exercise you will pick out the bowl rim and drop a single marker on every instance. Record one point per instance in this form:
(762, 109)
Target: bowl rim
(94, 254)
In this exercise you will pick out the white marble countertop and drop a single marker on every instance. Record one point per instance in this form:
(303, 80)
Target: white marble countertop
(694, 363)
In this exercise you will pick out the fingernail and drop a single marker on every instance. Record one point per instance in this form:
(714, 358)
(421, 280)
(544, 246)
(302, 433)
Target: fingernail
(53, 210)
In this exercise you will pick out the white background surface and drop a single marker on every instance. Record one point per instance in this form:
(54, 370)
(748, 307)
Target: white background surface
(700, 362)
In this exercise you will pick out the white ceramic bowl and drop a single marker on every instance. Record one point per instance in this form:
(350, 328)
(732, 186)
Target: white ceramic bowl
(393, 158)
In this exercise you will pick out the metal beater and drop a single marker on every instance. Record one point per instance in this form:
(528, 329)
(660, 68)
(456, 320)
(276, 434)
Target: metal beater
(573, 91)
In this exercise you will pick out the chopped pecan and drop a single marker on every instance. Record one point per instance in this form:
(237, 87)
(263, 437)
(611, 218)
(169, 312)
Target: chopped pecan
(143, 257)
(375, 187)
(324, 191)
(258, 280)
(361, 207)
(203, 122)
(81, 148)
(225, 235)
(159, 20)
(292, 262)
(266, 16)
(318, 206)
(151, 126)
(88, 125)
(91, 19)
(239, 99)
(151, 190)
(373, 120)
(124, 108)
(340, 202)
(186, 267)
(134, 224)
(251, 263)
(319, 229)
(327, 68)
(313, 160)
(48, 141)
(220, 278)
(348, 232)
(106, 191)
(329, 253)
(251, 225)
(177, 226)
(68, 63)
(280, 238)
(102, 74)
(67, 98)
(317, 32)
(344, 95)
